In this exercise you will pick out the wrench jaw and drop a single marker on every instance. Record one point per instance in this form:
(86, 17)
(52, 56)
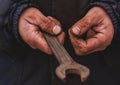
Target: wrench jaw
(67, 64)
(74, 68)
(61, 71)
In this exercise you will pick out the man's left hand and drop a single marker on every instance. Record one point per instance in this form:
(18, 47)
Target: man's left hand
(99, 32)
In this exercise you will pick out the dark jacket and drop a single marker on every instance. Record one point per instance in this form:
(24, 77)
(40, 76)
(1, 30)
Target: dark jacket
(18, 55)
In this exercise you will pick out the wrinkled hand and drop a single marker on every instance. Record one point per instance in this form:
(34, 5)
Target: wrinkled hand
(99, 32)
(31, 22)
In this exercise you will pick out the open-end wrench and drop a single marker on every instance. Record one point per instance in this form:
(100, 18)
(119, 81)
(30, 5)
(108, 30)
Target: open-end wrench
(67, 64)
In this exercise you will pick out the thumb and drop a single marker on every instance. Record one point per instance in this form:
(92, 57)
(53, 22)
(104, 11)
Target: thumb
(37, 18)
(49, 25)
(83, 25)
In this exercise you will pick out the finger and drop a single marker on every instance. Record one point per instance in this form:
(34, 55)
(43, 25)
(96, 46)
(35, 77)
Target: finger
(55, 20)
(50, 26)
(81, 26)
(99, 32)
(33, 37)
(79, 45)
(36, 17)
(91, 19)
(61, 37)
(41, 43)
(93, 44)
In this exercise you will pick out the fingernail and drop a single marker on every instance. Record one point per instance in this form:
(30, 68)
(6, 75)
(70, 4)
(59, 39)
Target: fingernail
(56, 29)
(76, 30)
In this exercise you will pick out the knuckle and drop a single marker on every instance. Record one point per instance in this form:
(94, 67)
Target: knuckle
(81, 52)
(87, 21)
(54, 20)
(83, 47)
(84, 52)
(46, 23)
(73, 41)
(49, 27)
(77, 52)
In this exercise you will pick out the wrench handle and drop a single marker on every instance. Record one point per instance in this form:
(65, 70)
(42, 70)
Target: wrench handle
(67, 64)
(58, 50)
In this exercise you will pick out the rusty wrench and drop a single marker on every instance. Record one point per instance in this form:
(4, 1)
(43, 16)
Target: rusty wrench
(67, 64)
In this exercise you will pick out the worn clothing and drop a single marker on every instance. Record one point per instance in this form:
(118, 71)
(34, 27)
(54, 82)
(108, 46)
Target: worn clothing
(21, 65)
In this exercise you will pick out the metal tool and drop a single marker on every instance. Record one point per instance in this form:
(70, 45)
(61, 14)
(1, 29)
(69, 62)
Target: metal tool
(67, 64)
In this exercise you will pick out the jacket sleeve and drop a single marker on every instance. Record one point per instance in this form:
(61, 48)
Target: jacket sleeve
(112, 7)
(10, 11)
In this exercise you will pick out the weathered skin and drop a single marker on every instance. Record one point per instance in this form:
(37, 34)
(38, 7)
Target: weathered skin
(30, 24)
(96, 23)
(99, 30)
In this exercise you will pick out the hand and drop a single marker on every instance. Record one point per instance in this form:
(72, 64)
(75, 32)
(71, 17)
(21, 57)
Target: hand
(99, 32)
(31, 22)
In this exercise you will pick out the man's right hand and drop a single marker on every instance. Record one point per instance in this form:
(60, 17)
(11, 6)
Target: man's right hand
(31, 22)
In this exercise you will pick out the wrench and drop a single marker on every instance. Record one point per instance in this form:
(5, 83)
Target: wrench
(67, 64)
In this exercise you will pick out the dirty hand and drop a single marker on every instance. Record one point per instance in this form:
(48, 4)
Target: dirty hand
(99, 32)
(31, 22)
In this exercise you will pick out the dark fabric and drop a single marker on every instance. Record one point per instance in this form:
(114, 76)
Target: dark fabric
(21, 65)
(25, 71)
(3, 10)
